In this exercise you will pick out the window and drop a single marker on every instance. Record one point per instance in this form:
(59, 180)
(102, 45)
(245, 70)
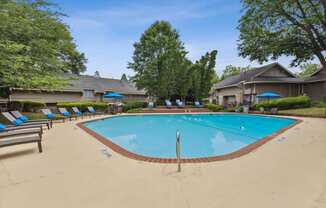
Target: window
(88, 93)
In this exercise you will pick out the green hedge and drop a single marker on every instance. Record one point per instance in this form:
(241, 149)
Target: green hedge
(286, 103)
(83, 105)
(213, 107)
(132, 105)
(26, 106)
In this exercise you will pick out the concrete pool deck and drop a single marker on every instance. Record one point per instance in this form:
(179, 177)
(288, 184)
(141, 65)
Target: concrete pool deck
(73, 171)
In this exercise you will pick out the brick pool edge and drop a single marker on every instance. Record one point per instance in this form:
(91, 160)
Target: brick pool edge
(243, 151)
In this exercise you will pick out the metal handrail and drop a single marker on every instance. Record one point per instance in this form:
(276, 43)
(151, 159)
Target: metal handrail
(178, 150)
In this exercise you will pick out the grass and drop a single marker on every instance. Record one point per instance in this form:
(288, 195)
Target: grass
(135, 110)
(313, 111)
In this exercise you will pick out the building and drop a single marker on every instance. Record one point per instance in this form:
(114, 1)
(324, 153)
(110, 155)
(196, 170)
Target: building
(315, 85)
(80, 88)
(244, 88)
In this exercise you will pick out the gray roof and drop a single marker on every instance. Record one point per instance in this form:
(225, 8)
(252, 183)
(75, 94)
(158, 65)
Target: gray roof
(253, 76)
(101, 85)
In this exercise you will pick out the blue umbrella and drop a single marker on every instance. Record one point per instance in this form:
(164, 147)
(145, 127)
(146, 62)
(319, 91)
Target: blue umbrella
(269, 95)
(113, 95)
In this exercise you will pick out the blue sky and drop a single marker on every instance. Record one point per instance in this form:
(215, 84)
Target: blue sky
(105, 30)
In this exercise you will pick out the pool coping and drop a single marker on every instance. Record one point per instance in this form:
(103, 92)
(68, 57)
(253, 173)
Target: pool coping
(122, 151)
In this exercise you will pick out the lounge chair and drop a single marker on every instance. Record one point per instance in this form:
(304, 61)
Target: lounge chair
(18, 122)
(47, 112)
(5, 128)
(77, 112)
(168, 104)
(274, 110)
(198, 105)
(262, 109)
(21, 137)
(92, 111)
(179, 103)
(150, 105)
(245, 109)
(25, 119)
(66, 114)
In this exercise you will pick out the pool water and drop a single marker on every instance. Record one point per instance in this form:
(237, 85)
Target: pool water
(202, 135)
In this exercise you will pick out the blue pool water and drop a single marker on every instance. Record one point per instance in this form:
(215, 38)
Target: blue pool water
(201, 135)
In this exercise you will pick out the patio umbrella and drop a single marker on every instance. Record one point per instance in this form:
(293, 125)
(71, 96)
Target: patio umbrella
(114, 95)
(269, 95)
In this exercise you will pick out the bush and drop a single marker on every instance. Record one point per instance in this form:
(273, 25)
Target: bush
(286, 103)
(26, 106)
(319, 103)
(132, 105)
(83, 105)
(213, 107)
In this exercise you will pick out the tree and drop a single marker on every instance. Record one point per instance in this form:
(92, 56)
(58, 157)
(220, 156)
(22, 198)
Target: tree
(157, 56)
(124, 78)
(204, 75)
(163, 70)
(97, 74)
(233, 70)
(271, 28)
(35, 45)
(306, 70)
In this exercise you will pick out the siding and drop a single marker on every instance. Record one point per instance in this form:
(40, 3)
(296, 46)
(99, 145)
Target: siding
(55, 97)
(315, 90)
(285, 90)
(231, 91)
(46, 97)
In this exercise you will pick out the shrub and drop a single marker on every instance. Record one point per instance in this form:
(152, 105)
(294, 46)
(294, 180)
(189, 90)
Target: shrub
(318, 104)
(286, 103)
(83, 105)
(213, 107)
(26, 106)
(132, 105)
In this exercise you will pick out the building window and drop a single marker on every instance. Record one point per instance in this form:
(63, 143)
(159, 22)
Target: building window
(89, 93)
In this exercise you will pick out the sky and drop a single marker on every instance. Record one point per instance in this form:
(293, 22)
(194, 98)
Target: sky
(105, 30)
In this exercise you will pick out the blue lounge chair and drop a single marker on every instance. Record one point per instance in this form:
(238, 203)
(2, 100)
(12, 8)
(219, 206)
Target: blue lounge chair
(18, 122)
(198, 105)
(25, 119)
(47, 112)
(66, 114)
(179, 103)
(5, 128)
(77, 112)
(92, 111)
(168, 104)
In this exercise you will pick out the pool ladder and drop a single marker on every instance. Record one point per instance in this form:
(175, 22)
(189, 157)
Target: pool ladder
(178, 150)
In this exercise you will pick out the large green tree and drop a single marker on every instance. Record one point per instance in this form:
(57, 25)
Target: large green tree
(307, 69)
(157, 56)
(35, 45)
(203, 75)
(272, 28)
(162, 69)
(231, 70)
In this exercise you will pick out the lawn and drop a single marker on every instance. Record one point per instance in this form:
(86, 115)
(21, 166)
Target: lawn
(313, 111)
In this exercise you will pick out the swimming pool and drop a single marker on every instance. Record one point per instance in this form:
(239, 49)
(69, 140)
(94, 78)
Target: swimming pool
(202, 135)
